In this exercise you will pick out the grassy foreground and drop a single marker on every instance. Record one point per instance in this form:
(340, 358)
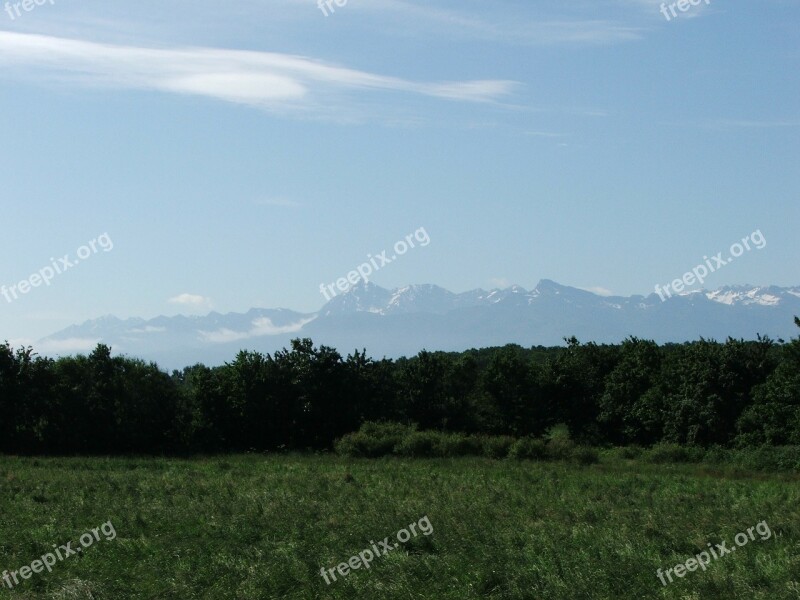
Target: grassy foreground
(253, 527)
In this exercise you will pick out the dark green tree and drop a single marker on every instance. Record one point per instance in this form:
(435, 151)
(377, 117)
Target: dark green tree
(774, 416)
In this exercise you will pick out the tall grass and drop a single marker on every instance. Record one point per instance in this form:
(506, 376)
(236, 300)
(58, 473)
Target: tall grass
(261, 527)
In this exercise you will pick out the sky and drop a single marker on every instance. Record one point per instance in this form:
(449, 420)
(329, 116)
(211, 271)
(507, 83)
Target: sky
(205, 156)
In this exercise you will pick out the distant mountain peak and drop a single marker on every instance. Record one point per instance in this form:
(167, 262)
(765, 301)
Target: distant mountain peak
(750, 294)
(407, 319)
(548, 286)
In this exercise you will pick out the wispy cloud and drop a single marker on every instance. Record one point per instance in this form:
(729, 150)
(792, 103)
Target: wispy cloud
(147, 329)
(521, 30)
(540, 23)
(192, 301)
(278, 82)
(499, 282)
(260, 327)
(600, 291)
(754, 124)
(653, 8)
(56, 347)
(544, 134)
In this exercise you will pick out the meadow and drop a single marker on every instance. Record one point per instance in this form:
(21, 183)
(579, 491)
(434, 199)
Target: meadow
(263, 526)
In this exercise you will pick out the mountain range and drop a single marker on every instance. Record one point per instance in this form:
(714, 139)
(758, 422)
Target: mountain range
(403, 321)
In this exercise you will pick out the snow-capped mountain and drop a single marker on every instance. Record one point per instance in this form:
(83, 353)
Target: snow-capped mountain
(368, 297)
(408, 319)
(748, 294)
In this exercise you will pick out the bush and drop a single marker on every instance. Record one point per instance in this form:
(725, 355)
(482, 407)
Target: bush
(624, 452)
(630, 452)
(383, 439)
(496, 446)
(673, 453)
(558, 431)
(421, 444)
(373, 440)
(560, 448)
(386, 429)
(718, 455)
(360, 445)
(528, 448)
(584, 455)
(767, 458)
(458, 444)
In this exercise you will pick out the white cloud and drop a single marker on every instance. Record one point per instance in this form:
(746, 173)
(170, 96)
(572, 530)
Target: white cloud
(191, 300)
(147, 329)
(260, 327)
(500, 282)
(272, 81)
(544, 22)
(600, 291)
(66, 346)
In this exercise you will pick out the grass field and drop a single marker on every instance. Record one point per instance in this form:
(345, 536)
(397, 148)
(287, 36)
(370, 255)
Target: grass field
(252, 527)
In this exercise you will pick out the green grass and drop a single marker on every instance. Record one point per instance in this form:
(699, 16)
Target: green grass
(253, 527)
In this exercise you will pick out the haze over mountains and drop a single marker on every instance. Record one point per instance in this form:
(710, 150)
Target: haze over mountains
(406, 320)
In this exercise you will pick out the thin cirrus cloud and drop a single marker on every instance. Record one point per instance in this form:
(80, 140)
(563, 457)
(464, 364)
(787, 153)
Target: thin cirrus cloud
(521, 29)
(273, 81)
(754, 124)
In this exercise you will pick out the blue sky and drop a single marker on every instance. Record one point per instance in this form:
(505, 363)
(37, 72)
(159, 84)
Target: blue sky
(239, 154)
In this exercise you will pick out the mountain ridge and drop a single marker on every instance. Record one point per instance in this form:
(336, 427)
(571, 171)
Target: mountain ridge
(405, 320)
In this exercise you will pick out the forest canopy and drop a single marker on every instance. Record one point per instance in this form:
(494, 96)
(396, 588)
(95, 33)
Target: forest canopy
(703, 393)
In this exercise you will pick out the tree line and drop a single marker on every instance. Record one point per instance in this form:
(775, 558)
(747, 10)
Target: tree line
(703, 393)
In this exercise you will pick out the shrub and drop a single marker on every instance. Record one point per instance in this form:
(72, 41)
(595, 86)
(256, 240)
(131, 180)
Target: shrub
(528, 448)
(767, 458)
(496, 446)
(362, 446)
(558, 431)
(386, 429)
(673, 453)
(560, 448)
(718, 455)
(420, 444)
(458, 444)
(630, 452)
(372, 440)
(584, 455)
